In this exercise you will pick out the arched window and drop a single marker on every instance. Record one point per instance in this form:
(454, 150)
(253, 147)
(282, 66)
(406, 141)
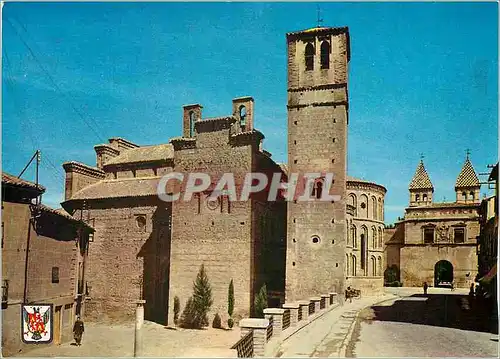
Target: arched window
(353, 202)
(363, 206)
(380, 218)
(192, 120)
(374, 238)
(380, 238)
(380, 266)
(309, 56)
(353, 265)
(471, 195)
(374, 266)
(374, 208)
(464, 195)
(417, 197)
(364, 239)
(317, 188)
(325, 55)
(354, 237)
(243, 116)
(424, 197)
(347, 264)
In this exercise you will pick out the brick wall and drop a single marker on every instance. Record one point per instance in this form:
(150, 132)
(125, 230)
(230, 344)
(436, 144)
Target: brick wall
(45, 252)
(123, 252)
(317, 142)
(15, 217)
(417, 264)
(218, 238)
(393, 239)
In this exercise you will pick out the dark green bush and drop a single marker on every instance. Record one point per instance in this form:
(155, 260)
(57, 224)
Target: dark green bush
(230, 299)
(197, 307)
(177, 309)
(188, 317)
(217, 322)
(260, 302)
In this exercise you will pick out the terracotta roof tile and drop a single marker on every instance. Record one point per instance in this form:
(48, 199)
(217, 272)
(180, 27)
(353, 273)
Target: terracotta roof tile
(421, 179)
(143, 154)
(120, 188)
(19, 182)
(61, 212)
(467, 176)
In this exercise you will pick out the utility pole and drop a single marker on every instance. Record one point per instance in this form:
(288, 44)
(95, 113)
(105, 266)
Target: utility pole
(31, 221)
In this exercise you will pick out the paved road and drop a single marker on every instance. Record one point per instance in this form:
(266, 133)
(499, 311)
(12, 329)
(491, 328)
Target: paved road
(416, 326)
(328, 335)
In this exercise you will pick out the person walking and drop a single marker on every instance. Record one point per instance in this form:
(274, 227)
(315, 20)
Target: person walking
(78, 330)
(425, 288)
(348, 294)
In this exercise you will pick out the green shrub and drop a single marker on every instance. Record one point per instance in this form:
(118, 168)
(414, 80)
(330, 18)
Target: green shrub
(230, 323)
(202, 297)
(197, 307)
(188, 315)
(177, 309)
(230, 299)
(260, 302)
(217, 322)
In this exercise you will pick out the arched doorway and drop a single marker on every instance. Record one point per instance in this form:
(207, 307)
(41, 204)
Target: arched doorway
(443, 274)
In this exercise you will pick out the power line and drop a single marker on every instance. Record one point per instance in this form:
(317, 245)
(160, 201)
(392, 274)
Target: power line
(55, 173)
(55, 84)
(10, 85)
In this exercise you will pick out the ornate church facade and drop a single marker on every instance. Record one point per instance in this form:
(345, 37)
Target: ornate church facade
(435, 242)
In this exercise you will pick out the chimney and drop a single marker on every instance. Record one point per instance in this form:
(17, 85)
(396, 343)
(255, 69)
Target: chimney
(192, 113)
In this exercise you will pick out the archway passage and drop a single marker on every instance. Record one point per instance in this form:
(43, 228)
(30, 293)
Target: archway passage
(443, 274)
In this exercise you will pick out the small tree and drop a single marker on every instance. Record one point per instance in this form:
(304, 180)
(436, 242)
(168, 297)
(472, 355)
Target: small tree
(188, 315)
(202, 297)
(260, 302)
(195, 313)
(230, 304)
(217, 322)
(177, 309)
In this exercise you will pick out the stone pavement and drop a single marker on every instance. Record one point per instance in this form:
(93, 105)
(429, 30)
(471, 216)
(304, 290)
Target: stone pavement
(101, 340)
(328, 335)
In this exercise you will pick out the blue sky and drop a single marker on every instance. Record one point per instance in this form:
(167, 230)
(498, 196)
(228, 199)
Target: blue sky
(423, 78)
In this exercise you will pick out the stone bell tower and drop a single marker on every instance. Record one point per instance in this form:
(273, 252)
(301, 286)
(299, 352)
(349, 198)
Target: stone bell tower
(317, 143)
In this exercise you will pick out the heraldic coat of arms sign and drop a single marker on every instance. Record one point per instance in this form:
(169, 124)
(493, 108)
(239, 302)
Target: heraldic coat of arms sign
(36, 323)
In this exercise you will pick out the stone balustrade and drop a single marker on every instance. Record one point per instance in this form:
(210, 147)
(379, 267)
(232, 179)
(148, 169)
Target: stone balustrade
(262, 337)
(325, 301)
(258, 327)
(316, 301)
(294, 312)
